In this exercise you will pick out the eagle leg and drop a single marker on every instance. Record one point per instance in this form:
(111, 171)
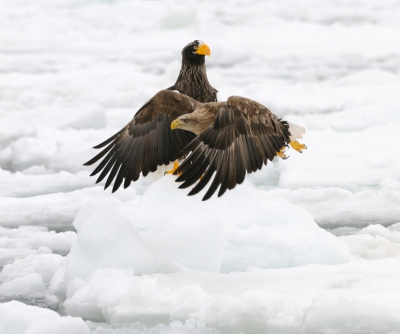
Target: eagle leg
(297, 146)
(173, 170)
(281, 154)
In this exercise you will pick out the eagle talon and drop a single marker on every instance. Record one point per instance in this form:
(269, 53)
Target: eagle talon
(297, 146)
(281, 154)
(173, 170)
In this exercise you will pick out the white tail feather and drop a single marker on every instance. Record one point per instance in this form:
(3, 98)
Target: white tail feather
(296, 131)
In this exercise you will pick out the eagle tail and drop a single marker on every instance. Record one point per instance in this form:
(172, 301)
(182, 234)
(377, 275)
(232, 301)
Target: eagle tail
(296, 131)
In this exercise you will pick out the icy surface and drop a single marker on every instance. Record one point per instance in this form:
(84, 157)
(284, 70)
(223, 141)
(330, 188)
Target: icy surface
(242, 229)
(73, 73)
(18, 318)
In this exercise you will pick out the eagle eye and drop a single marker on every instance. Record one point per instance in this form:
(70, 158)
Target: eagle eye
(195, 47)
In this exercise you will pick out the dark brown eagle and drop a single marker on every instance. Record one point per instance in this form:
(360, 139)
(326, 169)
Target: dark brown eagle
(148, 141)
(192, 79)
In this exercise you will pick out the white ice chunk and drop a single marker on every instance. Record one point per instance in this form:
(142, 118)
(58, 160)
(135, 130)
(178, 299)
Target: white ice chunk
(256, 301)
(330, 314)
(379, 230)
(63, 325)
(29, 285)
(244, 228)
(56, 241)
(254, 229)
(43, 264)
(107, 240)
(374, 242)
(334, 207)
(55, 211)
(18, 318)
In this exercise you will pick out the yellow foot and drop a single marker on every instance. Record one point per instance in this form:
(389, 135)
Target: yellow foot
(297, 146)
(172, 171)
(281, 153)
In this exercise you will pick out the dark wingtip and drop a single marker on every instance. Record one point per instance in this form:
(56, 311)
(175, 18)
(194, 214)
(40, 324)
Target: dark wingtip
(206, 197)
(109, 140)
(208, 194)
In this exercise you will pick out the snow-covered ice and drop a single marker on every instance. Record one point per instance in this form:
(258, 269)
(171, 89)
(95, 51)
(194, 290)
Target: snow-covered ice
(307, 245)
(229, 234)
(18, 318)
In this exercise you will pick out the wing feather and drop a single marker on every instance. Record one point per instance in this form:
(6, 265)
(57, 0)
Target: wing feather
(146, 142)
(244, 136)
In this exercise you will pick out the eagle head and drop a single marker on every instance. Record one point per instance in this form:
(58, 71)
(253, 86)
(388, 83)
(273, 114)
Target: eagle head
(195, 51)
(184, 122)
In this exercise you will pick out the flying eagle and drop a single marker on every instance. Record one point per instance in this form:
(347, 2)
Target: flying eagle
(232, 138)
(147, 141)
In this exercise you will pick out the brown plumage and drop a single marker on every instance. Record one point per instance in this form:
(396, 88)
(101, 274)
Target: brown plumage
(147, 141)
(233, 138)
(192, 79)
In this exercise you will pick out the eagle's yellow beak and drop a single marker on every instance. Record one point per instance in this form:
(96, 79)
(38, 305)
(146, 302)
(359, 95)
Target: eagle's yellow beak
(175, 124)
(203, 50)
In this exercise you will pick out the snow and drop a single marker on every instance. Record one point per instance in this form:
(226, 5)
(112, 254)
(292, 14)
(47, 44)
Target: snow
(341, 315)
(18, 318)
(29, 285)
(309, 244)
(256, 300)
(43, 264)
(374, 242)
(241, 229)
(55, 210)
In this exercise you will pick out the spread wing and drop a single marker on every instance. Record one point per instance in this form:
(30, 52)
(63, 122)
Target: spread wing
(146, 142)
(245, 135)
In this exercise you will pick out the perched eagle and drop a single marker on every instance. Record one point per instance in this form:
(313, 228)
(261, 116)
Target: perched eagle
(192, 79)
(147, 141)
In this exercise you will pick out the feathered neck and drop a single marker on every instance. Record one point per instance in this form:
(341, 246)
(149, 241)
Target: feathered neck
(193, 74)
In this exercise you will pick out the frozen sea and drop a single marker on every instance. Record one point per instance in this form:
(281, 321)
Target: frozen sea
(307, 245)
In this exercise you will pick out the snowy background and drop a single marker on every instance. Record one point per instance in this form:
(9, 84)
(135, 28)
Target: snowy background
(307, 245)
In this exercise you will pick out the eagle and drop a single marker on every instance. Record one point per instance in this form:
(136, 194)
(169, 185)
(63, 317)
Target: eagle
(233, 138)
(192, 79)
(225, 139)
(147, 141)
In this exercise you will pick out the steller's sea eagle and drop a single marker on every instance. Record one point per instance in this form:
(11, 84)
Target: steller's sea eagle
(147, 141)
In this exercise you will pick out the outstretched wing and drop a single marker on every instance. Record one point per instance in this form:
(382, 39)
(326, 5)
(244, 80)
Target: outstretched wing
(245, 135)
(145, 142)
